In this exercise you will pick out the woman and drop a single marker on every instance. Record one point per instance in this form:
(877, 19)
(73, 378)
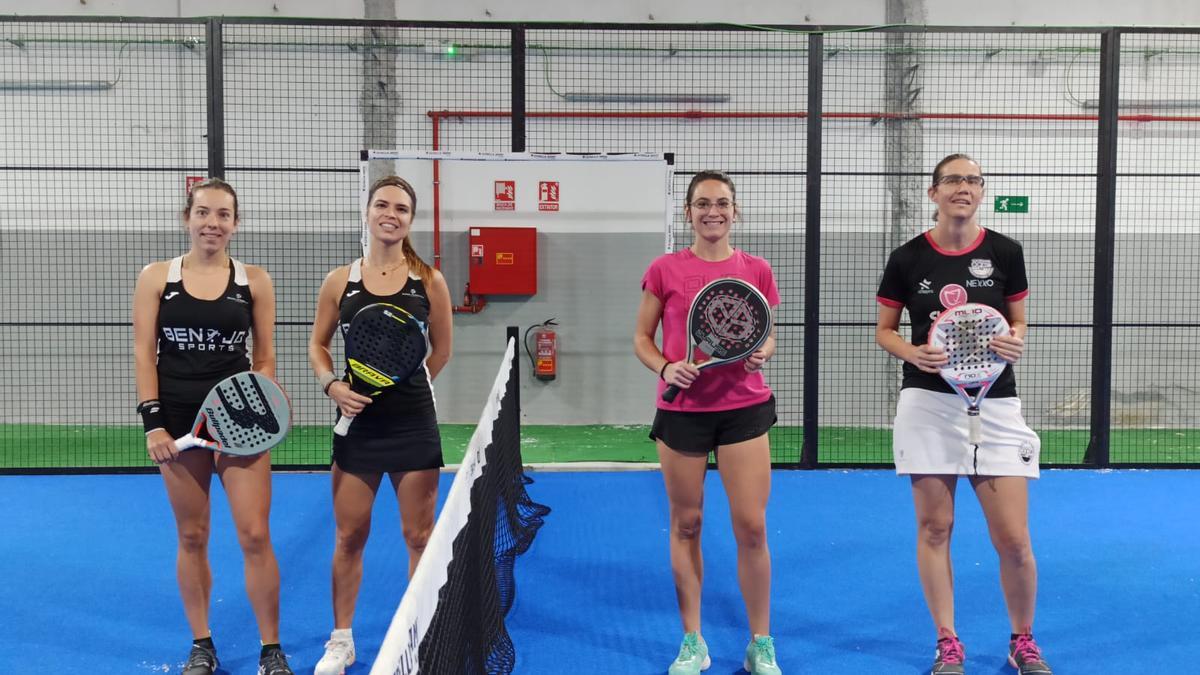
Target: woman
(191, 317)
(956, 262)
(397, 433)
(727, 410)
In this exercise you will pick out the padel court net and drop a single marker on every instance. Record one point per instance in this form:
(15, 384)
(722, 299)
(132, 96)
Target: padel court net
(451, 618)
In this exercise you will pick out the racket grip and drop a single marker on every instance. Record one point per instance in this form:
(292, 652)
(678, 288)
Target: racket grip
(670, 393)
(974, 428)
(343, 425)
(190, 441)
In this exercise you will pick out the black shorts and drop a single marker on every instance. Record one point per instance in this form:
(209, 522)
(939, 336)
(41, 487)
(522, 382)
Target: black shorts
(179, 416)
(703, 432)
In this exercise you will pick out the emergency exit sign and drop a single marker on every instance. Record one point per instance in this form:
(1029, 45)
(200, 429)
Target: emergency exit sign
(1012, 204)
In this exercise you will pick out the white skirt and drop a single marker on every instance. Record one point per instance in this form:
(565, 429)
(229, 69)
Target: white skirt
(930, 437)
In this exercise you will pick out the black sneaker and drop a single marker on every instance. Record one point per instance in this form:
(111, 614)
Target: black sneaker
(201, 661)
(274, 663)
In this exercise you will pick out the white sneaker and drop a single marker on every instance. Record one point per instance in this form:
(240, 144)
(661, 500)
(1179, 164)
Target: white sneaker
(339, 653)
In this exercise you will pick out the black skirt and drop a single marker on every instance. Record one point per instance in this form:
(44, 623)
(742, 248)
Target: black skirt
(403, 441)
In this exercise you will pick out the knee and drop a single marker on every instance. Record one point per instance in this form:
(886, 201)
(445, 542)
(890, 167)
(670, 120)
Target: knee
(417, 537)
(688, 523)
(751, 532)
(935, 531)
(1014, 546)
(351, 540)
(255, 540)
(193, 539)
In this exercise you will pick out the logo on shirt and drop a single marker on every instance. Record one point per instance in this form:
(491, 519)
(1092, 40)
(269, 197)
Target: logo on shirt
(412, 293)
(237, 297)
(981, 268)
(1025, 452)
(170, 295)
(952, 295)
(204, 339)
(925, 287)
(352, 293)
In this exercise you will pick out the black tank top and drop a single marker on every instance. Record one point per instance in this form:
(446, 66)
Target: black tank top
(416, 393)
(200, 342)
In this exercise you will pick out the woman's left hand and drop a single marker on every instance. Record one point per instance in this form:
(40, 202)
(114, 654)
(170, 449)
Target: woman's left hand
(1008, 347)
(756, 361)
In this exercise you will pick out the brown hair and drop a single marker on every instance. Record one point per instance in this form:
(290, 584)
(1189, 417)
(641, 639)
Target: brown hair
(211, 184)
(709, 174)
(937, 171)
(414, 261)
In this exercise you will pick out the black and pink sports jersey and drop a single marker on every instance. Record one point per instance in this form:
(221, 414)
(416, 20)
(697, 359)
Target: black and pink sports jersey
(928, 280)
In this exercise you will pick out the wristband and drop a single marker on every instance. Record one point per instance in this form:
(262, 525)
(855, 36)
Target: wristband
(152, 415)
(327, 380)
(662, 372)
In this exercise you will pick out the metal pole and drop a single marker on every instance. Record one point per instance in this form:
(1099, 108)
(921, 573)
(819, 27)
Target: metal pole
(812, 252)
(1102, 295)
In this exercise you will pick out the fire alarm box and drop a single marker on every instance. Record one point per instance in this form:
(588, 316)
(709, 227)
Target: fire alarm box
(503, 260)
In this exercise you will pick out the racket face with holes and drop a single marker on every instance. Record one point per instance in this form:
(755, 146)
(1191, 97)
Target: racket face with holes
(245, 414)
(964, 332)
(727, 321)
(384, 345)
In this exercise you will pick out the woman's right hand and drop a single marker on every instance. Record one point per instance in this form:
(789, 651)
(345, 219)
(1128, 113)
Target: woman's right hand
(681, 374)
(928, 358)
(348, 401)
(161, 447)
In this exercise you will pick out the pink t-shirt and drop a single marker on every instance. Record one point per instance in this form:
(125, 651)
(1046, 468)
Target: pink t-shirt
(674, 279)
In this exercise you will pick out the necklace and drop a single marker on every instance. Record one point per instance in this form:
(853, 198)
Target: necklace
(384, 270)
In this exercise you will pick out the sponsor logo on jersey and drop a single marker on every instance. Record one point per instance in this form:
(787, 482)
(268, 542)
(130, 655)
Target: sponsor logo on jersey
(1025, 452)
(412, 292)
(170, 295)
(237, 297)
(980, 283)
(925, 287)
(352, 293)
(981, 268)
(204, 339)
(952, 295)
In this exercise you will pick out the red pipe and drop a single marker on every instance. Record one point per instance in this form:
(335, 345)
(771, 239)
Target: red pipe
(700, 114)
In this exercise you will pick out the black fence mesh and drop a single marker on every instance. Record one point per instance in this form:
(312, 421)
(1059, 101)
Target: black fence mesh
(104, 123)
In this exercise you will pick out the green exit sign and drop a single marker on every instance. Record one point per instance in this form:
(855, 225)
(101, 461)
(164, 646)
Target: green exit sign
(1011, 204)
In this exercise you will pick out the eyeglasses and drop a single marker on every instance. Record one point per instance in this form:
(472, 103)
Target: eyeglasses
(704, 204)
(958, 179)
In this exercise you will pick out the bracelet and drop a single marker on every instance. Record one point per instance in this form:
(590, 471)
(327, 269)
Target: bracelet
(152, 415)
(327, 380)
(662, 372)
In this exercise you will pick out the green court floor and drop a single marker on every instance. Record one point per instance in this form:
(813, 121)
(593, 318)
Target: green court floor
(31, 446)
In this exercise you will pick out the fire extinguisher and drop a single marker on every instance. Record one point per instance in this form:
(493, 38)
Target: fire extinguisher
(544, 355)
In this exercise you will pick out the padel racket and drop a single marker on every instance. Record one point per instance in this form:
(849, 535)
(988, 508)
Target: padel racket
(244, 414)
(384, 346)
(964, 332)
(728, 320)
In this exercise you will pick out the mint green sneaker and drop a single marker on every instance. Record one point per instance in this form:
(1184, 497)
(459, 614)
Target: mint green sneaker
(760, 656)
(693, 656)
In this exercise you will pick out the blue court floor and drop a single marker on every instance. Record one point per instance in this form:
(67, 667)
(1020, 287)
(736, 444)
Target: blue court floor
(87, 564)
